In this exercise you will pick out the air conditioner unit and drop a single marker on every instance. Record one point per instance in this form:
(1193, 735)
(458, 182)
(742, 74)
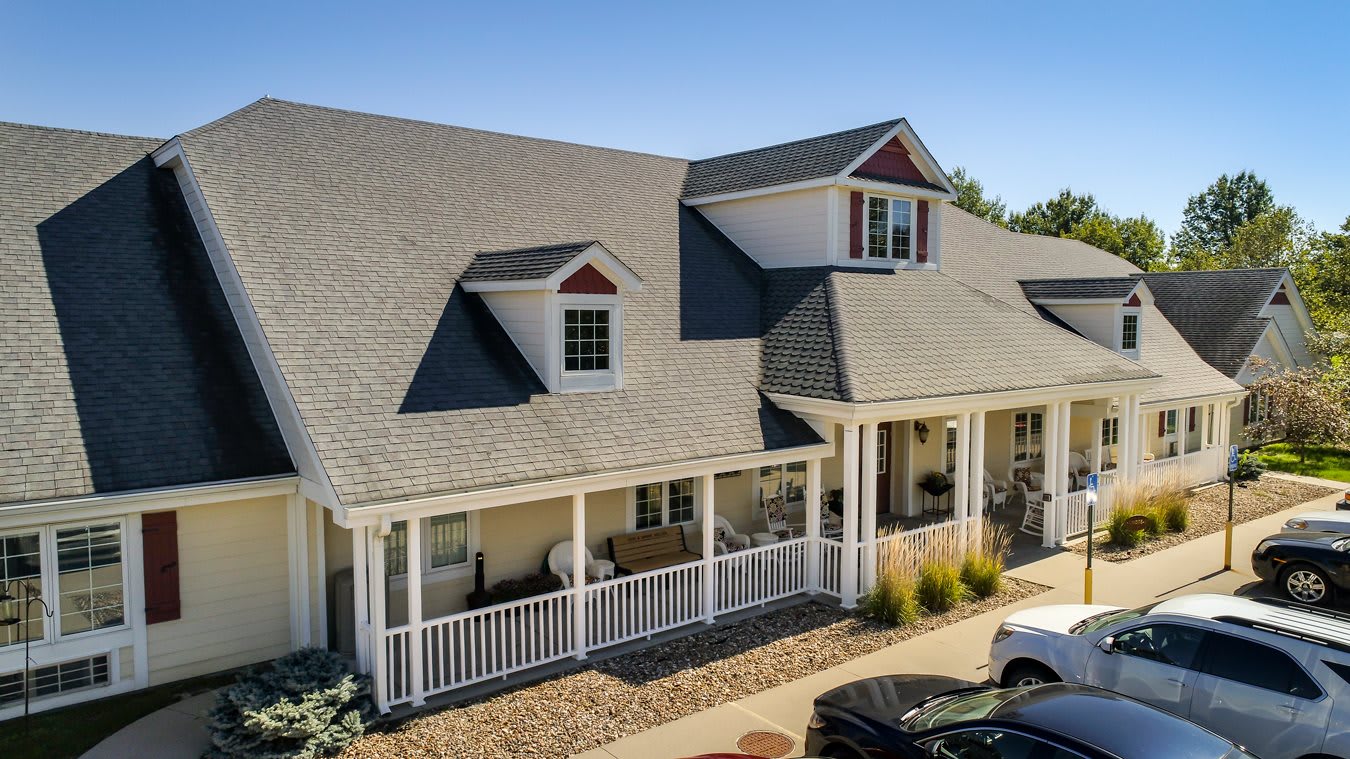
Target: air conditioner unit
(344, 610)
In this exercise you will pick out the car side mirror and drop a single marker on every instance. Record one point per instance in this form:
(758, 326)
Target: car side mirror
(1107, 644)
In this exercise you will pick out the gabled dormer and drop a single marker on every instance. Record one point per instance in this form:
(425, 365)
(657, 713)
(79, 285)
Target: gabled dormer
(868, 197)
(562, 305)
(1106, 310)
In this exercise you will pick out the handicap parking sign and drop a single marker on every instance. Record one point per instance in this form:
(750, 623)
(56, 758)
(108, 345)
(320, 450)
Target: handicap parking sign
(1092, 481)
(1232, 458)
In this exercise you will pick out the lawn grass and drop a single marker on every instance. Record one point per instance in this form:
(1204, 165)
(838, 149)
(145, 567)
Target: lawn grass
(71, 731)
(1323, 461)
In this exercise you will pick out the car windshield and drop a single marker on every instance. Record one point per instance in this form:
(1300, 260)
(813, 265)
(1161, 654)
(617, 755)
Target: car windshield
(1107, 618)
(945, 711)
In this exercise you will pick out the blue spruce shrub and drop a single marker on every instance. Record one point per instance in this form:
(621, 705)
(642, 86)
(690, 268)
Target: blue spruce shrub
(306, 705)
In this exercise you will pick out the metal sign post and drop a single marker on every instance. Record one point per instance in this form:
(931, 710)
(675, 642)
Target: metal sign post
(1092, 481)
(1228, 526)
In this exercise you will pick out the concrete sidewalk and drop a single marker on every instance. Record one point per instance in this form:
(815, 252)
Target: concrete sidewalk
(961, 650)
(177, 731)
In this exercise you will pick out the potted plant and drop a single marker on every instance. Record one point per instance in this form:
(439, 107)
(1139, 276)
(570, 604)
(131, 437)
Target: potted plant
(516, 588)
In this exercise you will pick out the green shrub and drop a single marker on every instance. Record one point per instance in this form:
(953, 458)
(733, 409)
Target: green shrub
(1175, 513)
(1249, 468)
(983, 574)
(307, 704)
(939, 586)
(1118, 533)
(892, 600)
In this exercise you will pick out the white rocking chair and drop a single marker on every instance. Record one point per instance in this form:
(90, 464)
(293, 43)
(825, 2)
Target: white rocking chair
(776, 515)
(831, 524)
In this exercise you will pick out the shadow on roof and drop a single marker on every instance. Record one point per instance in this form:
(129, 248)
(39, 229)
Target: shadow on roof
(162, 384)
(470, 362)
(719, 285)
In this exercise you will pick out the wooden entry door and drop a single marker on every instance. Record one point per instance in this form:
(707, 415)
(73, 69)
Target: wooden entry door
(885, 441)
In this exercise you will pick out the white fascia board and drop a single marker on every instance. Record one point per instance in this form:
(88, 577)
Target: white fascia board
(1076, 301)
(1190, 400)
(284, 409)
(137, 501)
(890, 188)
(1295, 302)
(805, 184)
(844, 412)
(486, 498)
(1141, 289)
(906, 133)
(596, 253)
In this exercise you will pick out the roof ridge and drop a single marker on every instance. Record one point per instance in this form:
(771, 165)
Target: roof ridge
(425, 122)
(94, 133)
(232, 115)
(892, 123)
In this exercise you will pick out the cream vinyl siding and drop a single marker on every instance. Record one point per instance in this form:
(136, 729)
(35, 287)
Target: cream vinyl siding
(126, 662)
(780, 230)
(523, 315)
(1098, 322)
(1291, 330)
(233, 583)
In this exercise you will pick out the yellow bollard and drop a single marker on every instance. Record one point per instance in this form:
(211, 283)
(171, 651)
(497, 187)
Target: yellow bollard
(1227, 545)
(1087, 585)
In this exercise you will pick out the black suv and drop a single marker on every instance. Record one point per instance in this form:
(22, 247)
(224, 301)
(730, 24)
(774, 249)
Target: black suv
(1308, 567)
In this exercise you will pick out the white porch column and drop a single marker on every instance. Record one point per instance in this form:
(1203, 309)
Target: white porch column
(814, 497)
(977, 465)
(1182, 434)
(378, 614)
(297, 544)
(1145, 435)
(321, 572)
(361, 584)
(1123, 442)
(1050, 458)
(848, 570)
(961, 489)
(414, 576)
(867, 509)
(1205, 412)
(579, 574)
(708, 551)
(1098, 424)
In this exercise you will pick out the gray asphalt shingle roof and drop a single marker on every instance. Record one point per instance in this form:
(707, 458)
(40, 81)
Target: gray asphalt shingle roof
(331, 216)
(1217, 312)
(122, 368)
(800, 160)
(1085, 288)
(522, 263)
(867, 335)
(995, 261)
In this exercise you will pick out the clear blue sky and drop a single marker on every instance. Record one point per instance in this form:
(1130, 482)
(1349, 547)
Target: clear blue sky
(1142, 104)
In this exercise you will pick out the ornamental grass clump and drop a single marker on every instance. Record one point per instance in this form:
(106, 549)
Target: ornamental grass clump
(306, 705)
(982, 567)
(1164, 506)
(893, 600)
(939, 585)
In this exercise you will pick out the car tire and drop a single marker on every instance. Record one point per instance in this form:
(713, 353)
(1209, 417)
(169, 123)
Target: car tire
(1028, 673)
(1306, 584)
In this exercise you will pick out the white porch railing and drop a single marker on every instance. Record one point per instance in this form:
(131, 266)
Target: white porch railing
(642, 604)
(831, 553)
(919, 538)
(759, 575)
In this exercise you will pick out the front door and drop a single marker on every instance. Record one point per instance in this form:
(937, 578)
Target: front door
(883, 454)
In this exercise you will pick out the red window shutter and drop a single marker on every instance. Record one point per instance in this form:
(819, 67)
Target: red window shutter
(855, 225)
(922, 232)
(159, 540)
(1190, 421)
(1162, 423)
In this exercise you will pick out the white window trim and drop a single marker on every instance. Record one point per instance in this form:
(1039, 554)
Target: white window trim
(757, 505)
(50, 576)
(592, 380)
(882, 449)
(1012, 436)
(1111, 438)
(889, 258)
(631, 506)
(1138, 313)
(450, 572)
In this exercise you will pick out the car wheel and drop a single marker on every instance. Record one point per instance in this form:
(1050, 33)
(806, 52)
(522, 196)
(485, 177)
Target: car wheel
(1306, 584)
(1028, 673)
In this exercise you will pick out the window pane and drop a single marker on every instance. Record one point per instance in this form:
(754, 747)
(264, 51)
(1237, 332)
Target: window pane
(648, 506)
(951, 446)
(449, 536)
(992, 743)
(900, 218)
(877, 223)
(585, 339)
(1020, 432)
(681, 501)
(20, 560)
(1176, 645)
(89, 563)
(794, 484)
(1034, 445)
(770, 481)
(396, 550)
(1248, 662)
(1129, 338)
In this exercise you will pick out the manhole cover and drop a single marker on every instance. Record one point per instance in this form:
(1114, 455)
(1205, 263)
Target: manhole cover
(765, 743)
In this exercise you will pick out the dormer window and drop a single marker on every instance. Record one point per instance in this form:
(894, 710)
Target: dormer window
(890, 228)
(562, 306)
(1129, 332)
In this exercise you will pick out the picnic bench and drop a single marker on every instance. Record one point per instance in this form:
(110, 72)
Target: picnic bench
(650, 549)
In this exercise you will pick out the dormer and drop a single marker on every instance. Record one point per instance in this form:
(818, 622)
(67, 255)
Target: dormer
(869, 197)
(1106, 310)
(562, 305)
(1289, 318)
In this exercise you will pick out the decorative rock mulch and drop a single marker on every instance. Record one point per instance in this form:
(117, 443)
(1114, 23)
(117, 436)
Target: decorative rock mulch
(607, 700)
(1209, 511)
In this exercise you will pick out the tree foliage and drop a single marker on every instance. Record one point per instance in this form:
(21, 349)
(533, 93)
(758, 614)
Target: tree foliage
(1325, 283)
(306, 705)
(1136, 239)
(1212, 218)
(1058, 216)
(1304, 406)
(970, 197)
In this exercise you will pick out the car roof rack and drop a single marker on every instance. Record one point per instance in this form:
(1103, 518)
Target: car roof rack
(1309, 633)
(1284, 603)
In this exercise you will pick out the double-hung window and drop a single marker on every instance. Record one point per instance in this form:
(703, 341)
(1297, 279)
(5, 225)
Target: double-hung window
(1111, 431)
(890, 228)
(951, 446)
(586, 340)
(1170, 425)
(1129, 332)
(82, 562)
(661, 504)
(1028, 427)
(789, 480)
(445, 544)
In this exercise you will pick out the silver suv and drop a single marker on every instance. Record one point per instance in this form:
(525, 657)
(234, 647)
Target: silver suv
(1270, 675)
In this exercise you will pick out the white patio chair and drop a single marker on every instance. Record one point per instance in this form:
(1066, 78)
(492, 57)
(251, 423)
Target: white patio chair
(725, 537)
(560, 564)
(831, 524)
(1030, 492)
(996, 492)
(776, 515)
(1079, 469)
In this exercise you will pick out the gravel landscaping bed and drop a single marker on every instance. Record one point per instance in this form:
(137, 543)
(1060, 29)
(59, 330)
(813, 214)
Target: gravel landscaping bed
(610, 699)
(1209, 511)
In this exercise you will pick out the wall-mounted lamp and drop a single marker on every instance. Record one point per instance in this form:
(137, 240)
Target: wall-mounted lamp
(922, 429)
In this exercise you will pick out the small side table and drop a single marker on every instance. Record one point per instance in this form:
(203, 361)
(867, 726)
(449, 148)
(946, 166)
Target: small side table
(603, 569)
(761, 539)
(936, 494)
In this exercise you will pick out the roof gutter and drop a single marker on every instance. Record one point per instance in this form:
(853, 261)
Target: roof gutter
(147, 499)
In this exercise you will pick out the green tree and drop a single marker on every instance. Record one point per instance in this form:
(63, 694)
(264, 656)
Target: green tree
(1213, 217)
(970, 197)
(1304, 407)
(1056, 217)
(1326, 285)
(1278, 237)
(1136, 239)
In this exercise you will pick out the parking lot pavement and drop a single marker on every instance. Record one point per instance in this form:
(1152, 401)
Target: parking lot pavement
(961, 649)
